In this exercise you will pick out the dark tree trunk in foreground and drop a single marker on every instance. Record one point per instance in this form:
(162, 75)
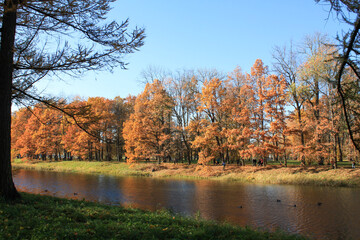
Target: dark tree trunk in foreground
(27, 60)
(7, 187)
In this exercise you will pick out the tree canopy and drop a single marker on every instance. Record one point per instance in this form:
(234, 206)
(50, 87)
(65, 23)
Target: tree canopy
(45, 38)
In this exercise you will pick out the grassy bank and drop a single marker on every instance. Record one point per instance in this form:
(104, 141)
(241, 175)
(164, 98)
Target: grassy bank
(108, 168)
(43, 217)
(314, 175)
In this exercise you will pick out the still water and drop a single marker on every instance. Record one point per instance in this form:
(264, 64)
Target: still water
(317, 212)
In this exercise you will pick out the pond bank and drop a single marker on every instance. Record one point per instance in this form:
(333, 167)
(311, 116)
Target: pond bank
(314, 175)
(58, 218)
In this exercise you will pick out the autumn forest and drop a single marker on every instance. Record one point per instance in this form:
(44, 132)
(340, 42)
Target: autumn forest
(291, 111)
(226, 136)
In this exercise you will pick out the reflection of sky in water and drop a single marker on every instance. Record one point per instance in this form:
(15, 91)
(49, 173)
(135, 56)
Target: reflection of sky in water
(254, 205)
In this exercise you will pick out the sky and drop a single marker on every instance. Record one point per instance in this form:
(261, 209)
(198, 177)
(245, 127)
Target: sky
(200, 34)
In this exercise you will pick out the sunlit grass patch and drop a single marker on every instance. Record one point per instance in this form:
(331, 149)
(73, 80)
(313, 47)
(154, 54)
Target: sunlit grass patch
(109, 168)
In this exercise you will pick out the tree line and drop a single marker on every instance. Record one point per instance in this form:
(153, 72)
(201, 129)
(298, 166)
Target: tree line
(291, 112)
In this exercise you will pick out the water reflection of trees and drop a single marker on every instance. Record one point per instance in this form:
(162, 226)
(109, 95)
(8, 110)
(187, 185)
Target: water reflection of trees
(254, 205)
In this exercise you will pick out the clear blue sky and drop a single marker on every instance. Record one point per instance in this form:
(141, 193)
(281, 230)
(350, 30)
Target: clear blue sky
(193, 34)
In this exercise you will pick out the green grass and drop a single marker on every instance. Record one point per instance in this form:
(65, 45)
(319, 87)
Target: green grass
(44, 217)
(289, 163)
(108, 168)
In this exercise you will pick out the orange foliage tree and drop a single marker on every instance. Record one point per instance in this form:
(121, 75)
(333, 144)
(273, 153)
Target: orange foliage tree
(202, 117)
(18, 129)
(147, 132)
(211, 140)
(238, 102)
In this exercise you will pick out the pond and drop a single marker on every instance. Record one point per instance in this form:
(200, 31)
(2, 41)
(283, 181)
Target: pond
(317, 212)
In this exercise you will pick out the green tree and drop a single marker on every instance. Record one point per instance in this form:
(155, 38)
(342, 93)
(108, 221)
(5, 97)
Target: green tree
(44, 45)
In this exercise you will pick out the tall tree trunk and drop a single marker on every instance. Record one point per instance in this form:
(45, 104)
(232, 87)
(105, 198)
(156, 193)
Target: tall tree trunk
(334, 158)
(187, 156)
(108, 150)
(7, 187)
(90, 151)
(285, 157)
(340, 148)
(118, 152)
(317, 116)
(302, 136)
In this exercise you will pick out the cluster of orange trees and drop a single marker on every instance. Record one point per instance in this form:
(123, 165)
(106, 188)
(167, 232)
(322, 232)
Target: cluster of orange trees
(196, 119)
(86, 129)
